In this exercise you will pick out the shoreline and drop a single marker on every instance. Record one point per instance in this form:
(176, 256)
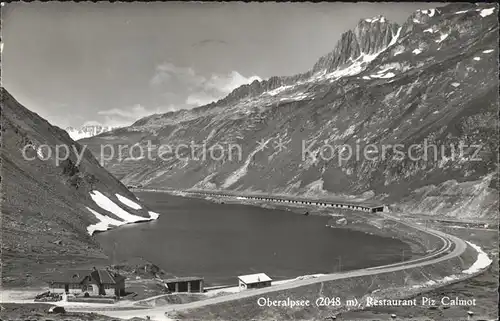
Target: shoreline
(296, 286)
(294, 282)
(364, 222)
(351, 283)
(238, 202)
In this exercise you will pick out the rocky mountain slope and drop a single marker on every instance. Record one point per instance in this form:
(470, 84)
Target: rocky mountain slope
(432, 81)
(87, 131)
(50, 209)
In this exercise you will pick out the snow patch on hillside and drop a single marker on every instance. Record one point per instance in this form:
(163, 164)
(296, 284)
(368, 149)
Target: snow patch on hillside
(395, 37)
(482, 261)
(442, 37)
(429, 12)
(105, 203)
(353, 69)
(205, 183)
(105, 223)
(384, 68)
(417, 51)
(488, 51)
(278, 90)
(128, 202)
(153, 215)
(376, 19)
(40, 153)
(361, 62)
(486, 12)
(399, 51)
(242, 171)
(477, 58)
(315, 188)
(387, 75)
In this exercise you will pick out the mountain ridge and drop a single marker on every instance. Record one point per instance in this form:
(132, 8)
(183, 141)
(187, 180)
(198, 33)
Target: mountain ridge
(382, 84)
(324, 62)
(50, 208)
(87, 131)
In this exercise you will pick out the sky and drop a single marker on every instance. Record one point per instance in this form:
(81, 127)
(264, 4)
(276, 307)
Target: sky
(114, 63)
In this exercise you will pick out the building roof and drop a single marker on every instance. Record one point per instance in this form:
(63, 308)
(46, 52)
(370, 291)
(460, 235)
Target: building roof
(78, 276)
(254, 278)
(183, 279)
(70, 276)
(106, 276)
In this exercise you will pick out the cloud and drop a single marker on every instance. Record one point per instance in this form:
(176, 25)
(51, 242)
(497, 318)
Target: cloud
(209, 42)
(92, 123)
(194, 89)
(135, 111)
(118, 117)
(227, 83)
(168, 72)
(199, 99)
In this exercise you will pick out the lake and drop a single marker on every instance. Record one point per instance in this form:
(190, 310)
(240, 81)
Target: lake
(194, 237)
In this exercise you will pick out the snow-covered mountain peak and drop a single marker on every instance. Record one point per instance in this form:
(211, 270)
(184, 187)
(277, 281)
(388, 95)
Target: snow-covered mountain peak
(87, 131)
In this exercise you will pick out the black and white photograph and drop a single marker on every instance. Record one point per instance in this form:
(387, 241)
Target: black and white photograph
(333, 161)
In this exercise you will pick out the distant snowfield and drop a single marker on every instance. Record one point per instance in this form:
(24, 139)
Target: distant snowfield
(106, 204)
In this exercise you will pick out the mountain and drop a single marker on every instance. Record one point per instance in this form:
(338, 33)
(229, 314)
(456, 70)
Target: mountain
(417, 92)
(51, 208)
(87, 131)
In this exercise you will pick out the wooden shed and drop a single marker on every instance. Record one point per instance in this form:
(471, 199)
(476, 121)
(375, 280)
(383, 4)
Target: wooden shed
(254, 281)
(185, 284)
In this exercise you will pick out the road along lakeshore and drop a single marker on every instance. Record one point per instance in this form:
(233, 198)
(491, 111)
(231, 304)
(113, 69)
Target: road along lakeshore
(437, 264)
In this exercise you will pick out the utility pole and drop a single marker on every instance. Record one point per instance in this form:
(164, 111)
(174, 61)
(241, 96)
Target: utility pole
(114, 256)
(340, 263)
